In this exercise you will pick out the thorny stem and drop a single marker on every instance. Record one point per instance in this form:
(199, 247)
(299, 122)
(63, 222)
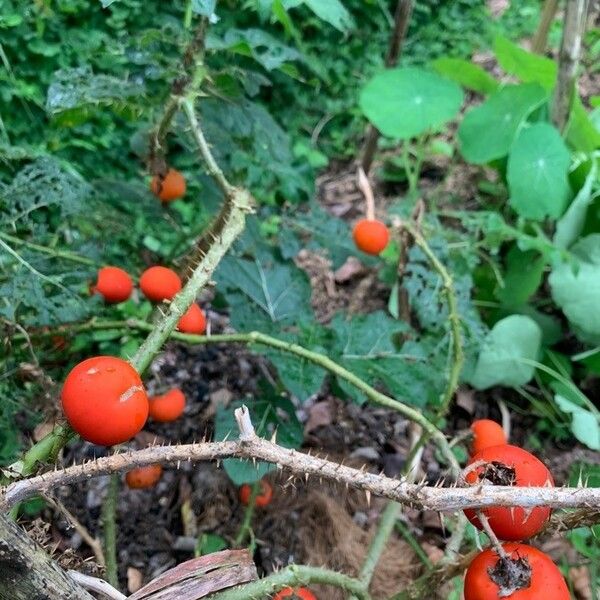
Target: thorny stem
(84, 260)
(245, 527)
(256, 337)
(292, 576)
(453, 317)
(109, 518)
(494, 541)
(390, 513)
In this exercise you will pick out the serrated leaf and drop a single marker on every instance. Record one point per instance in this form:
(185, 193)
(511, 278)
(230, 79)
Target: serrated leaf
(538, 165)
(488, 130)
(528, 67)
(500, 361)
(406, 102)
(79, 87)
(469, 75)
(270, 414)
(263, 293)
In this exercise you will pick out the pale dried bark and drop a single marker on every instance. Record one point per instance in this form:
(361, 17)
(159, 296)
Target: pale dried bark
(28, 573)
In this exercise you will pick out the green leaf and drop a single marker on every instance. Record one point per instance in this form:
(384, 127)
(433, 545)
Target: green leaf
(406, 102)
(500, 361)
(488, 130)
(538, 166)
(300, 376)
(570, 226)
(581, 133)
(264, 293)
(331, 11)
(584, 424)
(470, 76)
(575, 286)
(528, 67)
(206, 8)
(271, 414)
(524, 271)
(265, 49)
(209, 543)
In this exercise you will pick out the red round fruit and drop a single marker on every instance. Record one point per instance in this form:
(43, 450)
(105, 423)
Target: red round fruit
(193, 321)
(104, 400)
(371, 236)
(510, 465)
(487, 576)
(167, 407)
(486, 433)
(113, 284)
(291, 593)
(170, 187)
(143, 477)
(264, 498)
(159, 283)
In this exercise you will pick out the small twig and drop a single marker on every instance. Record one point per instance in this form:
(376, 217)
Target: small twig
(246, 526)
(365, 187)
(494, 541)
(540, 39)
(86, 536)
(109, 517)
(96, 585)
(453, 545)
(505, 417)
(54, 252)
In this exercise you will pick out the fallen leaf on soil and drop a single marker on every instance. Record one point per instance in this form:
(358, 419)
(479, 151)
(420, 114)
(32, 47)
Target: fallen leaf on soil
(319, 415)
(42, 430)
(466, 400)
(351, 268)
(434, 553)
(134, 580)
(580, 578)
(218, 399)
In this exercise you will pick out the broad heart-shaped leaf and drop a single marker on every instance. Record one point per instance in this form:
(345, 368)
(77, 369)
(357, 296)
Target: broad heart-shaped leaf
(538, 166)
(406, 102)
(576, 286)
(500, 362)
(581, 133)
(469, 75)
(263, 293)
(572, 222)
(331, 11)
(488, 130)
(301, 377)
(584, 424)
(528, 67)
(271, 413)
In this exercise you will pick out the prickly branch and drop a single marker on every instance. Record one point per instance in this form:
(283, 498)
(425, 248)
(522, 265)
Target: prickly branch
(250, 446)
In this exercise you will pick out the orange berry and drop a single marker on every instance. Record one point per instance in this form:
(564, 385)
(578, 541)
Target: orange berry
(167, 407)
(143, 477)
(193, 321)
(486, 433)
(114, 284)
(104, 400)
(371, 236)
(262, 499)
(170, 187)
(159, 283)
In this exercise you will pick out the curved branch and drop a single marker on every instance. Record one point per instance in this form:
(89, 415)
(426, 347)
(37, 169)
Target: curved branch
(252, 447)
(292, 576)
(256, 337)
